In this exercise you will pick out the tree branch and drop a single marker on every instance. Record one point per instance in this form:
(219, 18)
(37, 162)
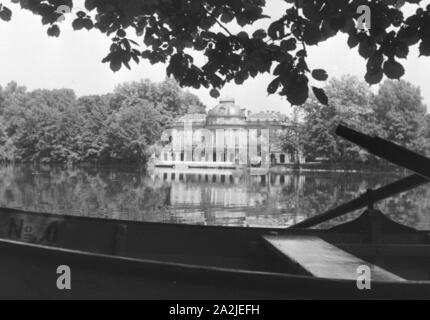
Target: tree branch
(217, 21)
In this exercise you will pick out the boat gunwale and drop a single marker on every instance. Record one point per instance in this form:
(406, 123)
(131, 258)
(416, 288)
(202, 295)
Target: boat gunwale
(164, 224)
(276, 230)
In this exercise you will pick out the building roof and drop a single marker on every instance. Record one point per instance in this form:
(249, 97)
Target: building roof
(226, 108)
(192, 117)
(268, 116)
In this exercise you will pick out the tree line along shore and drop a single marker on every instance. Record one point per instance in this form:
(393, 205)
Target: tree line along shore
(56, 126)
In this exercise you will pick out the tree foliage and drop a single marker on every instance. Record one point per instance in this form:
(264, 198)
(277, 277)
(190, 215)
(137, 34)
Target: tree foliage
(168, 28)
(401, 113)
(396, 112)
(350, 102)
(56, 126)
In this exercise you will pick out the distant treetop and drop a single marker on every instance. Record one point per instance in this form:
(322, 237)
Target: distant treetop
(169, 27)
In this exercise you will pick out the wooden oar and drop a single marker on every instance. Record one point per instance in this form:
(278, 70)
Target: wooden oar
(382, 193)
(388, 151)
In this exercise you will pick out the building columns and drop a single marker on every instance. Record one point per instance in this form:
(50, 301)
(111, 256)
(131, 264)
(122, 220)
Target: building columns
(220, 145)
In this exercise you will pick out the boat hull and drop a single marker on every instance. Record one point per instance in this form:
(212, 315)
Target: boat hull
(128, 260)
(29, 272)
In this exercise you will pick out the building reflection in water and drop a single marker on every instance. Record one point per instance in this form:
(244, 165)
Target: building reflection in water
(203, 196)
(231, 197)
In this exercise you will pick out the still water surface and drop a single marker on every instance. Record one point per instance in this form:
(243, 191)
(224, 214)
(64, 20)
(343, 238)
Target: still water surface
(205, 197)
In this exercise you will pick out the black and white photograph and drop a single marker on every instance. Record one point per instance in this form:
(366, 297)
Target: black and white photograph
(215, 155)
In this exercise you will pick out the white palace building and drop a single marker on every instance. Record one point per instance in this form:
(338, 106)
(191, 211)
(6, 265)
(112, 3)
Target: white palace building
(227, 137)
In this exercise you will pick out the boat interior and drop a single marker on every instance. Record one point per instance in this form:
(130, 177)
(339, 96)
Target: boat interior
(392, 251)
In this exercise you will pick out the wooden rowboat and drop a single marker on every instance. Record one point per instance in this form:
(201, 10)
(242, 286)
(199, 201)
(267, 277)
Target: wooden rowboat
(115, 259)
(120, 259)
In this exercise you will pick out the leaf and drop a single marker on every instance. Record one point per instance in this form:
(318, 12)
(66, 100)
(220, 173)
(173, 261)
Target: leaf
(276, 30)
(374, 72)
(5, 14)
(78, 24)
(425, 47)
(367, 47)
(107, 58)
(243, 35)
(349, 26)
(260, 34)
(53, 31)
(327, 31)
(148, 40)
(126, 63)
(402, 50)
(135, 58)
(88, 24)
(90, 4)
(81, 14)
(319, 74)
(274, 85)
(121, 33)
(301, 53)
(242, 21)
(409, 35)
(320, 95)
(311, 35)
(240, 77)
(214, 93)
(227, 17)
(146, 54)
(374, 76)
(302, 65)
(393, 69)
(288, 45)
(375, 62)
(353, 41)
(200, 44)
(115, 63)
(297, 91)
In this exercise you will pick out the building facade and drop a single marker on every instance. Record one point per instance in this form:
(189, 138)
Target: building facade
(227, 137)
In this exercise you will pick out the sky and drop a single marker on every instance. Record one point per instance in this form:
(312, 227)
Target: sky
(31, 58)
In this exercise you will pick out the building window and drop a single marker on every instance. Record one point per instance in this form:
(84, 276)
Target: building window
(273, 158)
(282, 158)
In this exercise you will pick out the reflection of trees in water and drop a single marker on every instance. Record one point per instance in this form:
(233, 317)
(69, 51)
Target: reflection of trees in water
(76, 191)
(411, 208)
(323, 192)
(128, 194)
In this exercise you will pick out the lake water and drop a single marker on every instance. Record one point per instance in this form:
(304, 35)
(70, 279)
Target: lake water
(205, 197)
